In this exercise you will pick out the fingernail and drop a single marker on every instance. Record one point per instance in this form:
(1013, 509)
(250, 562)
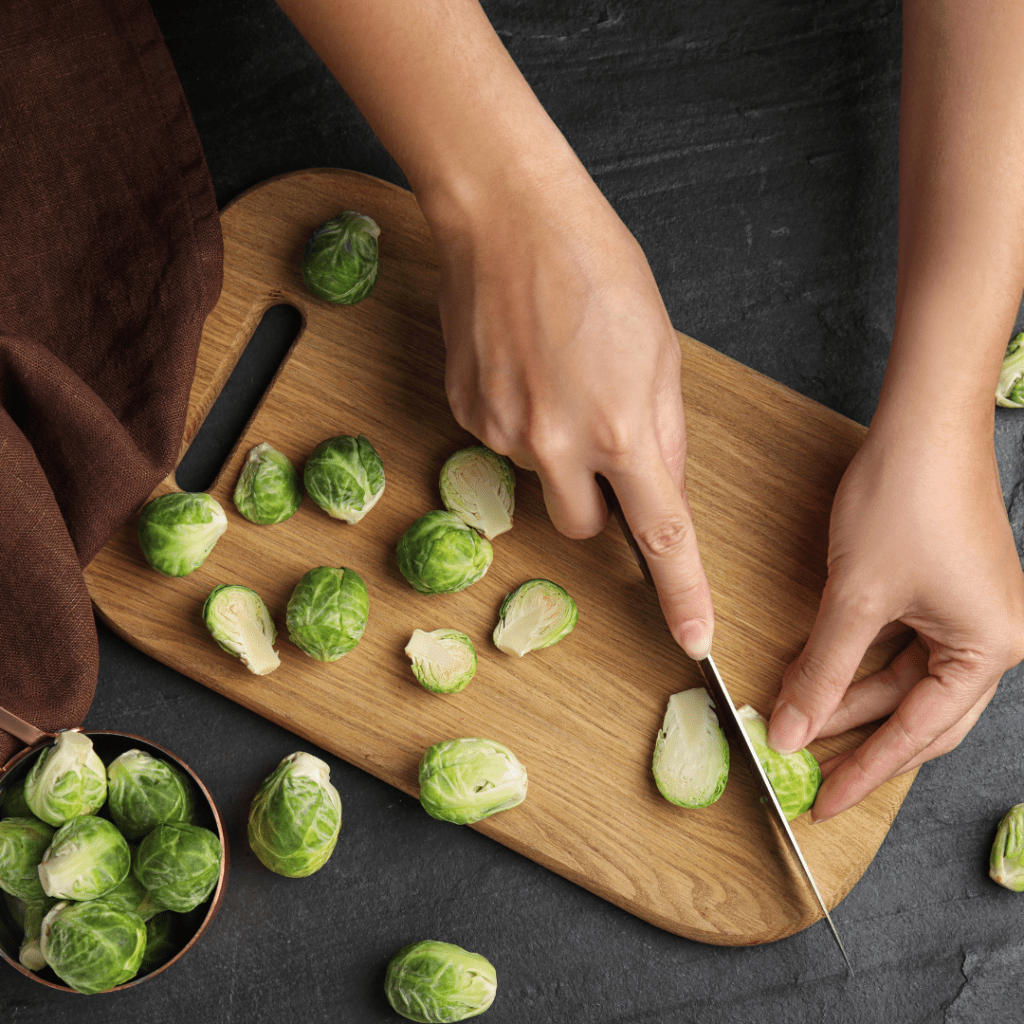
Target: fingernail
(788, 729)
(695, 638)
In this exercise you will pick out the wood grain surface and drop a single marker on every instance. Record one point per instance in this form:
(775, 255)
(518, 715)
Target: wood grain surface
(582, 715)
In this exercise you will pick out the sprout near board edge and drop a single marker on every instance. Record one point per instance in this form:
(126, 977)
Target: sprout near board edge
(443, 660)
(794, 777)
(538, 613)
(340, 262)
(241, 624)
(478, 485)
(467, 779)
(691, 755)
(439, 983)
(178, 531)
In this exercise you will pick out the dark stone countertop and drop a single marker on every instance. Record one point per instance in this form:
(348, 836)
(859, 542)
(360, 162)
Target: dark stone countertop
(751, 147)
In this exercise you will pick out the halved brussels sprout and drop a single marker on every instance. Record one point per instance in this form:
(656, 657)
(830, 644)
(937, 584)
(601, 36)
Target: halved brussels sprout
(268, 489)
(443, 660)
(1010, 388)
(13, 803)
(179, 864)
(178, 531)
(538, 613)
(478, 485)
(241, 624)
(440, 554)
(340, 262)
(466, 779)
(87, 858)
(1006, 862)
(795, 777)
(438, 982)
(327, 612)
(23, 842)
(93, 946)
(144, 790)
(160, 942)
(691, 755)
(30, 953)
(295, 817)
(66, 780)
(345, 477)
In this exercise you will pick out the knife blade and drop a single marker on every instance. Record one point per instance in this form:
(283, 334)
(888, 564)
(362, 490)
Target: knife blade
(733, 728)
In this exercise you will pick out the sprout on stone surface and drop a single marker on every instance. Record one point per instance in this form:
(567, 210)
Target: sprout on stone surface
(340, 262)
(30, 953)
(443, 660)
(344, 475)
(268, 489)
(440, 554)
(478, 485)
(691, 755)
(23, 842)
(93, 946)
(241, 624)
(327, 612)
(160, 942)
(794, 777)
(438, 982)
(66, 780)
(466, 779)
(538, 613)
(13, 803)
(178, 531)
(295, 817)
(87, 857)
(1010, 387)
(179, 864)
(1006, 862)
(144, 790)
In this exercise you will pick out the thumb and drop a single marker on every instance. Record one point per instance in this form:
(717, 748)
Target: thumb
(813, 686)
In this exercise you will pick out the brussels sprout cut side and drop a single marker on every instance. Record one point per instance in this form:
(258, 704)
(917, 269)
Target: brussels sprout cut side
(467, 779)
(478, 485)
(1006, 862)
(327, 612)
(1010, 387)
(440, 554)
(66, 780)
(178, 531)
(538, 613)
(439, 983)
(268, 489)
(691, 755)
(345, 477)
(340, 262)
(443, 660)
(241, 624)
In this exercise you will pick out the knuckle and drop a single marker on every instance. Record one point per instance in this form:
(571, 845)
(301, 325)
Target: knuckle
(665, 537)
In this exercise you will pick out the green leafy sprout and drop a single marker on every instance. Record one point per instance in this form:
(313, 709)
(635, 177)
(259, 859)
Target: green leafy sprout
(438, 982)
(344, 475)
(86, 858)
(464, 780)
(66, 780)
(795, 777)
(1006, 861)
(1010, 387)
(178, 531)
(440, 554)
(340, 262)
(179, 865)
(268, 489)
(443, 660)
(144, 790)
(327, 612)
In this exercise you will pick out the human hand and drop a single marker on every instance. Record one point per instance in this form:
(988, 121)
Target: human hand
(919, 536)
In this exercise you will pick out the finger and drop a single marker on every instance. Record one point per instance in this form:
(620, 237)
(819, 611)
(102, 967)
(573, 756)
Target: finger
(573, 501)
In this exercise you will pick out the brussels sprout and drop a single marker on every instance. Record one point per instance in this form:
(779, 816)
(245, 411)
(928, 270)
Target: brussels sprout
(295, 817)
(340, 261)
(160, 942)
(1010, 388)
(23, 842)
(87, 857)
(178, 864)
(440, 554)
(13, 803)
(443, 660)
(241, 624)
(1006, 862)
(478, 485)
(144, 790)
(30, 953)
(327, 612)
(177, 531)
(93, 946)
(438, 982)
(538, 613)
(66, 780)
(691, 755)
(268, 489)
(794, 777)
(464, 780)
(131, 895)
(345, 477)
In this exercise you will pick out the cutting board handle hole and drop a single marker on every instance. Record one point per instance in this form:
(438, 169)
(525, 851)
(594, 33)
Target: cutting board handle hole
(239, 398)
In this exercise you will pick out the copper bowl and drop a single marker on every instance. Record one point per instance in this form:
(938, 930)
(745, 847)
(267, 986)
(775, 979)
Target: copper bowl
(190, 926)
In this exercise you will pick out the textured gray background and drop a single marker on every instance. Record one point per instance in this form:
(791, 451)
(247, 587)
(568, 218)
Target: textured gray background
(751, 147)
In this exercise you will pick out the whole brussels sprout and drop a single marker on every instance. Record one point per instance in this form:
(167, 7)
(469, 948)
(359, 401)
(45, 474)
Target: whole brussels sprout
(478, 485)
(295, 817)
(179, 864)
(340, 262)
(144, 790)
(345, 477)
(93, 946)
(87, 857)
(160, 942)
(1010, 387)
(268, 489)
(443, 660)
(467, 779)
(30, 953)
(691, 755)
(795, 777)
(327, 612)
(241, 624)
(439, 983)
(178, 531)
(13, 803)
(131, 895)
(538, 613)
(1006, 862)
(66, 780)
(23, 842)
(440, 554)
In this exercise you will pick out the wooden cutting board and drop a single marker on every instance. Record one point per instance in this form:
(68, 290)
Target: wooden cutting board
(582, 715)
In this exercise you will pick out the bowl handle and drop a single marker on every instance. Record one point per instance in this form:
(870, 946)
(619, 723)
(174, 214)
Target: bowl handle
(28, 734)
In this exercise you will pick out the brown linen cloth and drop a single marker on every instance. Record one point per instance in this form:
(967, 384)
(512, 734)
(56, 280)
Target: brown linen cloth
(110, 259)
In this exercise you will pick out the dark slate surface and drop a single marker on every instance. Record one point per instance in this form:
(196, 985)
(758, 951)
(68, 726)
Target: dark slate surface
(751, 147)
